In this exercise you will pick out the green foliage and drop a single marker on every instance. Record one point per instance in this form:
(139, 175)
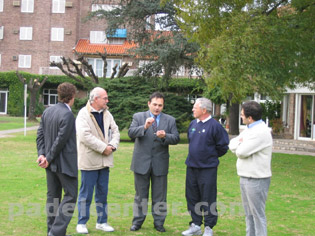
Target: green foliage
(16, 93)
(129, 95)
(277, 126)
(271, 110)
(16, 89)
(264, 48)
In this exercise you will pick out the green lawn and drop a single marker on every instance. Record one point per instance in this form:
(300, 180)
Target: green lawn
(9, 122)
(290, 205)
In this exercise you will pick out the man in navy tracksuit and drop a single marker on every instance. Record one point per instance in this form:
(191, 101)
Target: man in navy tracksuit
(208, 140)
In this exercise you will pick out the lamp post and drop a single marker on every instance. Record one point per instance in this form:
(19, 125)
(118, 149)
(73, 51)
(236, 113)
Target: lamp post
(25, 105)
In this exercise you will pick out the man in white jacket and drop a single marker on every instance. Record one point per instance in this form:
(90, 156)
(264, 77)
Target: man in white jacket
(97, 138)
(253, 147)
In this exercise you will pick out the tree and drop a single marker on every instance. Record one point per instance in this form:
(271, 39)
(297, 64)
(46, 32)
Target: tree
(252, 46)
(33, 86)
(156, 33)
(82, 72)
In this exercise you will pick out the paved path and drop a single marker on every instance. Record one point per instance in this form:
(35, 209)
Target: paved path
(8, 133)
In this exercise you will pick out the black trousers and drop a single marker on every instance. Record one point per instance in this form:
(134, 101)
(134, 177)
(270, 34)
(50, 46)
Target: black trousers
(59, 212)
(158, 195)
(201, 195)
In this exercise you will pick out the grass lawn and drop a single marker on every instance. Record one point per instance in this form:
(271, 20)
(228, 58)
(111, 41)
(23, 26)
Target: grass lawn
(290, 206)
(9, 122)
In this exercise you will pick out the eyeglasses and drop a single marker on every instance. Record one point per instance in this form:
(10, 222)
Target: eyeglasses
(105, 98)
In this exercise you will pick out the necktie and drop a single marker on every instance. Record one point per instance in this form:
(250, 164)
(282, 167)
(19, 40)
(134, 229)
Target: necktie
(154, 125)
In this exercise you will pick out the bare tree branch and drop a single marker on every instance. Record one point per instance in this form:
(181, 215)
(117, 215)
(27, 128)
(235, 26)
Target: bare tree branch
(123, 70)
(59, 65)
(114, 72)
(104, 57)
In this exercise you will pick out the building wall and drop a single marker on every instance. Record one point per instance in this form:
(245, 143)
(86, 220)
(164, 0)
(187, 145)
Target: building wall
(289, 129)
(40, 47)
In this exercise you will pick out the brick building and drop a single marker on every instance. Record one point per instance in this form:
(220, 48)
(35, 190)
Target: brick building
(34, 33)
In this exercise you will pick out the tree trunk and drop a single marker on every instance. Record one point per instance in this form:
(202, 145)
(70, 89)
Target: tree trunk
(234, 119)
(32, 105)
(217, 111)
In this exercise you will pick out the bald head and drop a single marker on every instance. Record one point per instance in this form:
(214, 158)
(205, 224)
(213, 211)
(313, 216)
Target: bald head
(98, 98)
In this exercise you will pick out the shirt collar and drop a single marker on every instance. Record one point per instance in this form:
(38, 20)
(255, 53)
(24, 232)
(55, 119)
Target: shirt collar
(157, 117)
(205, 120)
(254, 123)
(93, 110)
(68, 106)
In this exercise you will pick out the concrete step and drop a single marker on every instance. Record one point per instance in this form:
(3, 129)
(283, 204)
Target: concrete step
(294, 145)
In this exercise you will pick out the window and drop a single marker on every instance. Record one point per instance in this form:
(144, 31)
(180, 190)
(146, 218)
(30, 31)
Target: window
(105, 7)
(27, 6)
(143, 63)
(57, 34)
(25, 61)
(181, 71)
(98, 66)
(50, 97)
(26, 33)
(3, 100)
(110, 65)
(97, 37)
(56, 59)
(117, 41)
(118, 37)
(1, 5)
(58, 6)
(162, 22)
(1, 32)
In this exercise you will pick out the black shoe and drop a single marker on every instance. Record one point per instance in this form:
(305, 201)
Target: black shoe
(159, 228)
(135, 227)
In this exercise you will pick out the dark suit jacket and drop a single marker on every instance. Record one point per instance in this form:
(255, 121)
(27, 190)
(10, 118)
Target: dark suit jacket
(149, 150)
(56, 139)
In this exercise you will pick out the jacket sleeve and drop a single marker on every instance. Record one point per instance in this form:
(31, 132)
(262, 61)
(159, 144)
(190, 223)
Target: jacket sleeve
(40, 140)
(172, 137)
(115, 135)
(253, 143)
(136, 128)
(65, 128)
(222, 141)
(234, 143)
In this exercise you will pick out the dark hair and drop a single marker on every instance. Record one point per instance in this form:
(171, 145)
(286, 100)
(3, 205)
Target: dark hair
(252, 109)
(66, 92)
(156, 95)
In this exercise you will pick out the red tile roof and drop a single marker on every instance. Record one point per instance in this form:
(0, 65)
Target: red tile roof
(84, 46)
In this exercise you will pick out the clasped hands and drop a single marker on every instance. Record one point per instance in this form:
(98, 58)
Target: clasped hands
(108, 150)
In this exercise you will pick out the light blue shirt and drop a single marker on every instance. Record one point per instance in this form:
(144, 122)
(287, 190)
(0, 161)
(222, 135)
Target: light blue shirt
(157, 118)
(255, 123)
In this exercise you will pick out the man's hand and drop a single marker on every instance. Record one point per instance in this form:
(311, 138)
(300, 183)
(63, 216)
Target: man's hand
(42, 162)
(108, 150)
(149, 121)
(161, 134)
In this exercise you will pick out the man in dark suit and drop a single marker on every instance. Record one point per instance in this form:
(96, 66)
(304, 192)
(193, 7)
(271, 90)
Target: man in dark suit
(153, 132)
(57, 153)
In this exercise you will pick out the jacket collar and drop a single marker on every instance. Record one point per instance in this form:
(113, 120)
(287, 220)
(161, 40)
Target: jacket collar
(90, 108)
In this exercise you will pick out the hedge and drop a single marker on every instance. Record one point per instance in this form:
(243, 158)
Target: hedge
(126, 95)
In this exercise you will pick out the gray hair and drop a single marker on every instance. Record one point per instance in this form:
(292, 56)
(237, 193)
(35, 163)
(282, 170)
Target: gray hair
(205, 103)
(95, 93)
